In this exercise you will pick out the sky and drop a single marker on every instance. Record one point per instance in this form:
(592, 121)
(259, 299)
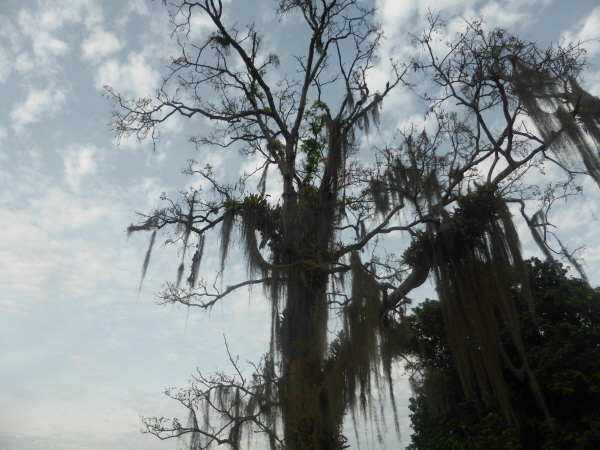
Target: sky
(83, 351)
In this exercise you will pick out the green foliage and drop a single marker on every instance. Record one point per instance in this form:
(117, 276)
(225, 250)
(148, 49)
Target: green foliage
(303, 430)
(313, 145)
(563, 352)
(462, 230)
(257, 214)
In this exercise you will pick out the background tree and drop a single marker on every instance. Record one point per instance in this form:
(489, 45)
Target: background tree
(306, 243)
(562, 350)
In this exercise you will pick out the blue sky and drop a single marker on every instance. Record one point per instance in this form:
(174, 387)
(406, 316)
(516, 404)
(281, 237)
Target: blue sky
(82, 354)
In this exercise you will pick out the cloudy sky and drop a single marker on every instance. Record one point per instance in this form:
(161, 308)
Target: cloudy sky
(82, 354)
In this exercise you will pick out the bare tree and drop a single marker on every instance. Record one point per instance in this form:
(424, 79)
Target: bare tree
(446, 187)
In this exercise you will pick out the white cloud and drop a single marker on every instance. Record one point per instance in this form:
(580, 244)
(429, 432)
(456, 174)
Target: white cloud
(99, 45)
(201, 26)
(5, 63)
(588, 32)
(39, 103)
(587, 29)
(399, 18)
(136, 76)
(91, 367)
(11, 44)
(40, 36)
(45, 45)
(55, 241)
(44, 23)
(139, 7)
(50, 15)
(511, 13)
(79, 163)
(3, 137)
(151, 190)
(25, 64)
(138, 72)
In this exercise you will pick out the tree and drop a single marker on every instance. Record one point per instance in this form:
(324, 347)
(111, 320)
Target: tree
(563, 350)
(336, 199)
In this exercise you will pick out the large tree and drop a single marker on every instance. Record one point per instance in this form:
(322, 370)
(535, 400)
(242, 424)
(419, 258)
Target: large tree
(336, 198)
(563, 349)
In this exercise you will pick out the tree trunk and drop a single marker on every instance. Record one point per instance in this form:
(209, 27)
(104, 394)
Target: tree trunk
(310, 419)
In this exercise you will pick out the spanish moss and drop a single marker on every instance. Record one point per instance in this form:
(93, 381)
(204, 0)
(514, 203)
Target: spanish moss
(477, 267)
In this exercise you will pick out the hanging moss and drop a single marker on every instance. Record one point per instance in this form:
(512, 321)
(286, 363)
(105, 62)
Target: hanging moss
(196, 260)
(226, 231)
(477, 264)
(567, 116)
(380, 194)
(147, 257)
